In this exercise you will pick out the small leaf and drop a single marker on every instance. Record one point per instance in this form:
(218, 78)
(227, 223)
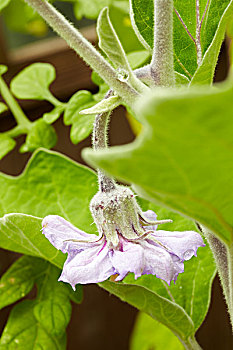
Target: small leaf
(138, 58)
(24, 332)
(81, 125)
(33, 82)
(103, 106)
(82, 128)
(3, 107)
(4, 3)
(40, 135)
(3, 69)
(7, 144)
(150, 334)
(53, 115)
(109, 42)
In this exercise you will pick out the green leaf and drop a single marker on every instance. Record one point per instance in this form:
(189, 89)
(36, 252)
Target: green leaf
(191, 156)
(4, 3)
(24, 332)
(150, 334)
(19, 279)
(109, 42)
(103, 106)
(138, 58)
(90, 10)
(3, 69)
(161, 309)
(142, 14)
(205, 72)
(215, 14)
(22, 234)
(40, 135)
(21, 18)
(3, 107)
(111, 45)
(81, 125)
(50, 184)
(53, 115)
(53, 310)
(7, 144)
(33, 82)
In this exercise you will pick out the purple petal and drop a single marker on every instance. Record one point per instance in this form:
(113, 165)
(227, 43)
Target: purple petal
(150, 216)
(183, 244)
(91, 265)
(57, 230)
(144, 258)
(129, 259)
(160, 263)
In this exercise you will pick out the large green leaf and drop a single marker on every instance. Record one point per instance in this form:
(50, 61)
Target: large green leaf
(183, 158)
(165, 311)
(213, 16)
(33, 83)
(150, 334)
(53, 310)
(45, 318)
(50, 184)
(22, 234)
(24, 332)
(19, 279)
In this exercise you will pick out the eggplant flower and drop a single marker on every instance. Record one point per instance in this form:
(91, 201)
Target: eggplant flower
(128, 241)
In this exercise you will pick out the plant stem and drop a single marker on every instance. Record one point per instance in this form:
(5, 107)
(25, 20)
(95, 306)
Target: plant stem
(84, 48)
(162, 66)
(15, 108)
(191, 344)
(100, 141)
(198, 33)
(230, 274)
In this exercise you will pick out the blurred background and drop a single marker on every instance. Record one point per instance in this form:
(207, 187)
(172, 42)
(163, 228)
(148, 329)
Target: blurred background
(102, 321)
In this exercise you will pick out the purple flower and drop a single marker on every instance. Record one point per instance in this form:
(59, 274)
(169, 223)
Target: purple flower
(128, 241)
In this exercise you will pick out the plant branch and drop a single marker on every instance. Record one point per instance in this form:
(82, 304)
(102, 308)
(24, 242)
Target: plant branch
(84, 48)
(100, 141)
(162, 65)
(198, 33)
(15, 108)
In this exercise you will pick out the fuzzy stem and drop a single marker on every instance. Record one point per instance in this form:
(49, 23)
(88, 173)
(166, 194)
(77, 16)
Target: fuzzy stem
(15, 108)
(84, 48)
(198, 33)
(99, 141)
(162, 66)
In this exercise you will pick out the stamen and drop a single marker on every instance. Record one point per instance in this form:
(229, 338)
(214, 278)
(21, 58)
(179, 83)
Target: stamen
(157, 222)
